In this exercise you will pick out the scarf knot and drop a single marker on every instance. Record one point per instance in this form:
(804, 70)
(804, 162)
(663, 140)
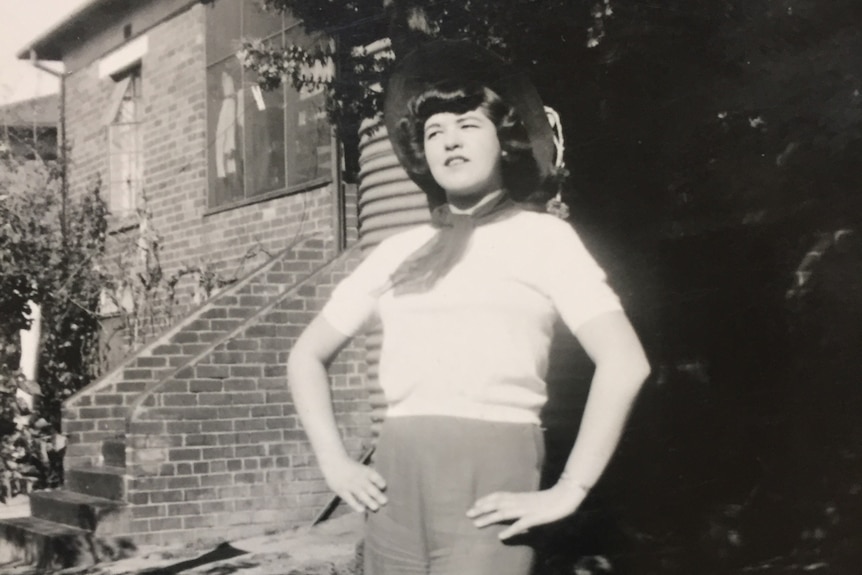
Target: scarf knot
(422, 269)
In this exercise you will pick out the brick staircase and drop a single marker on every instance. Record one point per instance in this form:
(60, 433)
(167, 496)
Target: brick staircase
(136, 465)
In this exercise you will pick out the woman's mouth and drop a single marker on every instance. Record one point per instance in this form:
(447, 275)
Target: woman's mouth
(455, 161)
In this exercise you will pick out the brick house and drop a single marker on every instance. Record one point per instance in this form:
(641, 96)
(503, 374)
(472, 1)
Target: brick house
(29, 128)
(195, 437)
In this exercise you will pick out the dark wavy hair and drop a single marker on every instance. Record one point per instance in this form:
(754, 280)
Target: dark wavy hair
(519, 170)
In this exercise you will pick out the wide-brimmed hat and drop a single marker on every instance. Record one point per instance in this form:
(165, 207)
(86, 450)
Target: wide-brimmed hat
(457, 61)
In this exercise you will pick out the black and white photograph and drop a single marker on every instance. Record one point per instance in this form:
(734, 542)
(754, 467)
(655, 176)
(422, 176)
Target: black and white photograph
(431, 287)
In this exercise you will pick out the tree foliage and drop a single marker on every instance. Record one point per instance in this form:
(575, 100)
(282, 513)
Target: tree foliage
(355, 92)
(50, 251)
(711, 143)
(56, 252)
(689, 95)
(31, 449)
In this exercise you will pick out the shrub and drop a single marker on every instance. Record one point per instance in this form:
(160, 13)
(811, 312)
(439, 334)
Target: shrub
(31, 450)
(50, 248)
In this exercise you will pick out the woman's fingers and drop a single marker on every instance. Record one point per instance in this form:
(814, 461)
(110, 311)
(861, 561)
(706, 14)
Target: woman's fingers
(378, 496)
(376, 479)
(486, 504)
(364, 497)
(516, 528)
(372, 486)
(358, 485)
(352, 502)
(368, 500)
(496, 508)
(497, 517)
(524, 510)
(373, 496)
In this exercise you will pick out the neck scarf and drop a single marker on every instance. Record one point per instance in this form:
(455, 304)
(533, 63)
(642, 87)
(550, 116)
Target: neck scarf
(422, 269)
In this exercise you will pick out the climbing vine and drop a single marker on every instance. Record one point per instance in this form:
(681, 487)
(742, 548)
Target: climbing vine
(59, 253)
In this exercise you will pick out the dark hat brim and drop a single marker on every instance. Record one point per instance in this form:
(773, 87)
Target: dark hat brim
(456, 61)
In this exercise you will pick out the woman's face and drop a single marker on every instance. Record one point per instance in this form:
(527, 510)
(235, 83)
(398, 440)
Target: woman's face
(463, 154)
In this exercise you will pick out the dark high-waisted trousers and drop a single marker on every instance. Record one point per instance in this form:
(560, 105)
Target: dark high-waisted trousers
(435, 468)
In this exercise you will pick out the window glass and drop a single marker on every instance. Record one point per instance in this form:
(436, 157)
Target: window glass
(310, 153)
(125, 168)
(257, 22)
(264, 134)
(224, 20)
(310, 156)
(125, 148)
(259, 142)
(225, 102)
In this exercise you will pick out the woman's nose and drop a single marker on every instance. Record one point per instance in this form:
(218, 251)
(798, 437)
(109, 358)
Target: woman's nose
(452, 139)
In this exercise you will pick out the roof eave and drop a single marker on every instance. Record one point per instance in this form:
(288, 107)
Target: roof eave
(47, 46)
(53, 44)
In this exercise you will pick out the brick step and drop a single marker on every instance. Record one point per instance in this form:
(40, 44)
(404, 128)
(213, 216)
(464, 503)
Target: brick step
(94, 514)
(114, 452)
(105, 481)
(226, 312)
(47, 545)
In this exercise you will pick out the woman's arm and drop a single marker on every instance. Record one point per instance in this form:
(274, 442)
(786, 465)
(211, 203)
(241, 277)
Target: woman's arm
(357, 484)
(621, 368)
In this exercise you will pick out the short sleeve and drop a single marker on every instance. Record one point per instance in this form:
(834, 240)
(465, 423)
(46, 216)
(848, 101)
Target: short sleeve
(354, 299)
(572, 278)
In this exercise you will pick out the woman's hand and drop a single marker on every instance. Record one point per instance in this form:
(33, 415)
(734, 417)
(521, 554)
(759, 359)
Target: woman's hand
(357, 484)
(527, 509)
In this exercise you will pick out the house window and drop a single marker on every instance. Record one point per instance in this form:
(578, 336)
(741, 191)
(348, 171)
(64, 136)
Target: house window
(125, 149)
(260, 143)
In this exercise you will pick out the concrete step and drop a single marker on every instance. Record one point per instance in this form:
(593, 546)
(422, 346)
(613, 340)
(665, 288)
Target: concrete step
(95, 514)
(114, 452)
(46, 545)
(105, 481)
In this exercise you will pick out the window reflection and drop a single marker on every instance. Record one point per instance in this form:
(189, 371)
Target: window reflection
(259, 142)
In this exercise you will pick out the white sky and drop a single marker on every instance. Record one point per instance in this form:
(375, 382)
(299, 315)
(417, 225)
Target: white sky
(21, 22)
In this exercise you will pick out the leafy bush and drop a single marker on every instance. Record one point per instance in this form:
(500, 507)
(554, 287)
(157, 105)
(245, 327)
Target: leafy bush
(31, 450)
(54, 253)
(50, 248)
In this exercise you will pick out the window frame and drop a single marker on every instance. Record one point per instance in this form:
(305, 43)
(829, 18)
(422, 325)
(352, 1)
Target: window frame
(129, 79)
(249, 197)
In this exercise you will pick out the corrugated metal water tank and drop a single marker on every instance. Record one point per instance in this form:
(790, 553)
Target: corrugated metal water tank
(389, 202)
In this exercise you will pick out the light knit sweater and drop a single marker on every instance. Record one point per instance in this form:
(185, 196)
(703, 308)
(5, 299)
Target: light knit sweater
(477, 344)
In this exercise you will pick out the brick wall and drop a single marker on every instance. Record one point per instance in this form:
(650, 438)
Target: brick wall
(100, 411)
(210, 436)
(213, 445)
(175, 142)
(217, 450)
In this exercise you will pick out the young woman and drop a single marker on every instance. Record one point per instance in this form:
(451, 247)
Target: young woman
(467, 306)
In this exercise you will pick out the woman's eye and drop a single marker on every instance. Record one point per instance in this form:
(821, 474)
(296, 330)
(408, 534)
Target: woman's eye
(431, 134)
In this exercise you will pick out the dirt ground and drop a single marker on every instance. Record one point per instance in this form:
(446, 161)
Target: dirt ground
(327, 549)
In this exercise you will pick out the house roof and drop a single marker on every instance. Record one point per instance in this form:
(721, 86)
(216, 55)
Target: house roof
(51, 44)
(41, 112)
(90, 16)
